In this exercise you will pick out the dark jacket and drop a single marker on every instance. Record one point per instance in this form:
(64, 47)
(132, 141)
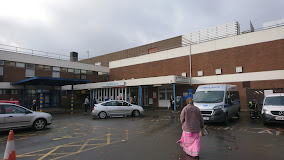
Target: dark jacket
(34, 107)
(191, 119)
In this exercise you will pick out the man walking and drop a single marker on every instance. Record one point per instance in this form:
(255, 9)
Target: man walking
(86, 104)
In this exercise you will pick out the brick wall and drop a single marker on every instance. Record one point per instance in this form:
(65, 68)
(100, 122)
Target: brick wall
(253, 58)
(175, 66)
(134, 52)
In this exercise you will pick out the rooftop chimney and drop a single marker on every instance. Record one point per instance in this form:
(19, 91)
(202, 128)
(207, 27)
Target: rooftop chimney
(73, 56)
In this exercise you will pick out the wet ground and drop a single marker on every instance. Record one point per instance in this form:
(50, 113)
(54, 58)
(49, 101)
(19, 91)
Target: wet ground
(80, 137)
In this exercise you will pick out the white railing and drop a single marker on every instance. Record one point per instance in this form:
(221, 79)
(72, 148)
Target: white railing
(21, 50)
(222, 31)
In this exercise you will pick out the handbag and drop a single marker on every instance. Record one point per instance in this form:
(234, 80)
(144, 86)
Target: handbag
(203, 132)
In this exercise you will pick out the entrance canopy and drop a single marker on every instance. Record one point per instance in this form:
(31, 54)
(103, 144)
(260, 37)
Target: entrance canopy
(46, 81)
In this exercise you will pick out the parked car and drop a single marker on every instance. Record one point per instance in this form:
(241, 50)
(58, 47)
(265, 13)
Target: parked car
(116, 108)
(13, 116)
(273, 108)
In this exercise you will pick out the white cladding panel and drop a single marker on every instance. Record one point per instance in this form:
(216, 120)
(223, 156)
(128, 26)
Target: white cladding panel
(25, 58)
(225, 43)
(240, 77)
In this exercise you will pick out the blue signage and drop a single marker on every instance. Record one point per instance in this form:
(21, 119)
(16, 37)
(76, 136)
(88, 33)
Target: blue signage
(189, 94)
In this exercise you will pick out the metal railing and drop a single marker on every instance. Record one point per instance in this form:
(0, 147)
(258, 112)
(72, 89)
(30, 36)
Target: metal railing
(34, 52)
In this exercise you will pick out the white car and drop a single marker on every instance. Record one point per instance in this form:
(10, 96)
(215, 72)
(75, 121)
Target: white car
(13, 116)
(273, 108)
(116, 108)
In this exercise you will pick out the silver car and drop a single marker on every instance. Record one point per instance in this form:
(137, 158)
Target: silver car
(116, 108)
(13, 116)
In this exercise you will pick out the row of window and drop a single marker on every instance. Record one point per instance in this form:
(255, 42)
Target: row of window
(239, 69)
(10, 91)
(43, 67)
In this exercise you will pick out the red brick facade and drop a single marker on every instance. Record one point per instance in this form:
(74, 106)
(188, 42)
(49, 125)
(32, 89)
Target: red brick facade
(253, 58)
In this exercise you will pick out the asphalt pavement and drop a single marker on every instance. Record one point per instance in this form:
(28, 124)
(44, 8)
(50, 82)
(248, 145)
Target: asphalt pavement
(151, 137)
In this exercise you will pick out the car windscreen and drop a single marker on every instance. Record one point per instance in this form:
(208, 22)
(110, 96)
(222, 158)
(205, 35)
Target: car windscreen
(208, 96)
(274, 101)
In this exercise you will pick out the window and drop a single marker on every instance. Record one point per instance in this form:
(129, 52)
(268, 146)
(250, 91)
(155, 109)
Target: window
(30, 72)
(209, 96)
(274, 101)
(239, 69)
(39, 66)
(3, 91)
(63, 70)
(9, 63)
(77, 71)
(218, 71)
(112, 103)
(56, 69)
(56, 74)
(234, 95)
(48, 68)
(1, 63)
(15, 91)
(165, 92)
(30, 66)
(83, 77)
(89, 72)
(1, 70)
(83, 72)
(200, 73)
(18, 64)
(70, 70)
(10, 109)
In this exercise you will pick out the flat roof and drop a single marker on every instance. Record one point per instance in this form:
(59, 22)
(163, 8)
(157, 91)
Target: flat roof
(47, 81)
(133, 82)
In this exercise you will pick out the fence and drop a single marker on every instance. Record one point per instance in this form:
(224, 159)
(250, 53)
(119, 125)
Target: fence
(34, 52)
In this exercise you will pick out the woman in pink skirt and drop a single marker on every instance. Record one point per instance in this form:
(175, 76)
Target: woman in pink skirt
(192, 120)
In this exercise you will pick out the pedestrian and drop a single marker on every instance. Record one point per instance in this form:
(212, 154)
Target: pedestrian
(192, 121)
(172, 102)
(254, 109)
(95, 101)
(34, 106)
(86, 104)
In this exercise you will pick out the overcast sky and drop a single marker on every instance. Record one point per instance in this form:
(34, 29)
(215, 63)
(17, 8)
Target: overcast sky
(105, 26)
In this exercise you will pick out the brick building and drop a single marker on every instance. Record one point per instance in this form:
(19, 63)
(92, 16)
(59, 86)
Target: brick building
(252, 60)
(151, 73)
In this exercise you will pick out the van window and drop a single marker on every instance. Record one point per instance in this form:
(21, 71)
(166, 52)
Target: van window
(209, 96)
(234, 95)
(274, 101)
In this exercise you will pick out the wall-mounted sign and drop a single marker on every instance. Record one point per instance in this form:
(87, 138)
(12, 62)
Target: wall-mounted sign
(182, 80)
(154, 94)
(113, 84)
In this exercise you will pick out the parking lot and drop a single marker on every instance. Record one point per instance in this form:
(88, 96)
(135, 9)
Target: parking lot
(79, 136)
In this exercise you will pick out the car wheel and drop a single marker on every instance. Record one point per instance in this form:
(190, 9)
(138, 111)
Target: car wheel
(135, 113)
(102, 115)
(39, 124)
(226, 120)
(238, 114)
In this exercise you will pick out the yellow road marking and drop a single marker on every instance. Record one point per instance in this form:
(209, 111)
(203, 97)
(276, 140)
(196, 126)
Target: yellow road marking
(84, 145)
(108, 136)
(49, 152)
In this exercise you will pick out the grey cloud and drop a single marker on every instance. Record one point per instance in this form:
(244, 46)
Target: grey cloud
(101, 27)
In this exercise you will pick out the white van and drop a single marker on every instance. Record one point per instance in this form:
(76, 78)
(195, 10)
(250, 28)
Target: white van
(217, 102)
(273, 108)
